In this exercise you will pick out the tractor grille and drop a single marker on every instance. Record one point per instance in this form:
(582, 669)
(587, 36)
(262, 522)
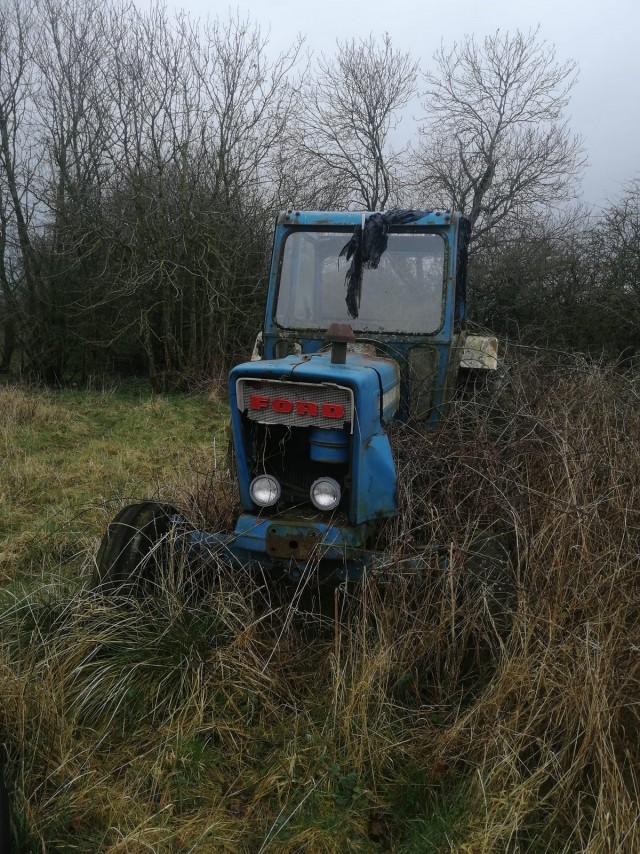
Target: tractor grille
(284, 452)
(289, 403)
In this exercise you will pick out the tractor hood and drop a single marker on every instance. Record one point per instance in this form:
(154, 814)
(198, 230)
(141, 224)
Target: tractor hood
(312, 392)
(373, 379)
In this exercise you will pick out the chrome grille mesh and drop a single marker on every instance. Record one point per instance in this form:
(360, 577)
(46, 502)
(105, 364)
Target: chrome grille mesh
(318, 393)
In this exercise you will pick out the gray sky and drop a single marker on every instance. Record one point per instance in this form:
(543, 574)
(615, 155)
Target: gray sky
(603, 38)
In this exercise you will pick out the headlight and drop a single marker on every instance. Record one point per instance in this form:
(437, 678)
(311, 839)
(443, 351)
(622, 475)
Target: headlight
(264, 490)
(325, 493)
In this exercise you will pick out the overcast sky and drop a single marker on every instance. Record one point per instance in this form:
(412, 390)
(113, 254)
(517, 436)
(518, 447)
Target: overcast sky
(602, 37)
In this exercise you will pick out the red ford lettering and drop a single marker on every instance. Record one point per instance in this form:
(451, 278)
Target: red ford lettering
(281, 404)
(258, 401)
(306, 407)
(285, 406)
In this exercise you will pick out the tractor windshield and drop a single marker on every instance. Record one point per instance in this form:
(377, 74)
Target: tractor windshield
(403, 295)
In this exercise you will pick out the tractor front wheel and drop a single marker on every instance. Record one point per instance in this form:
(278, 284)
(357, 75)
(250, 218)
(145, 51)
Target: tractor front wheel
(136, 549)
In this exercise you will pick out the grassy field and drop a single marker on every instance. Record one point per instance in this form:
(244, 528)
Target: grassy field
(404, 719)
(70, 459)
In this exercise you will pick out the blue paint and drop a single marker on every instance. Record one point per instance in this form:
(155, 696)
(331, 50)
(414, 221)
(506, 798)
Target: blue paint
(341, 549)
(329, 446)
(373, 484)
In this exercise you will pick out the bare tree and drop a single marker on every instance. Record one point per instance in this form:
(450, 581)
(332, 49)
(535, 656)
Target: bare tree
(622, 236)
(18, 262)
(351, 110)
(618, 240)
(157, 103)
(496, 142)
(202, 114)
(249, 100)
(73, 127)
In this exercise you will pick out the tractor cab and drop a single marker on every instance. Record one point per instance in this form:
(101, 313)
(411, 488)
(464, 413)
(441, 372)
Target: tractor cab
(407, 302)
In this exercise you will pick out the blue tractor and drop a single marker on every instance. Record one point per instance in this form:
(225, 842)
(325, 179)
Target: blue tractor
(364, 326)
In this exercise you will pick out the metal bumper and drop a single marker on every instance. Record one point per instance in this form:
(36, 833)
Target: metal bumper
(292, 547)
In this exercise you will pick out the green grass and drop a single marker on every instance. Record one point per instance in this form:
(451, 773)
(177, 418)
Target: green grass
(70, 459)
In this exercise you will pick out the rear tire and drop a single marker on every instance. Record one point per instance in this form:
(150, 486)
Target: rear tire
(134, 552)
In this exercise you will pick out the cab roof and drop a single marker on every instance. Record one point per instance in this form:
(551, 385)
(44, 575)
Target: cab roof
(354, 218)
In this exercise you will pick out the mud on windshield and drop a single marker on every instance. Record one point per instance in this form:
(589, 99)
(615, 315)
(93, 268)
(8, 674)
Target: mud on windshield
(403, 295)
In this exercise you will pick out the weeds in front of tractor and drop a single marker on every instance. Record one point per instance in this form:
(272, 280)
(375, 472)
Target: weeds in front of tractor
(411, 716)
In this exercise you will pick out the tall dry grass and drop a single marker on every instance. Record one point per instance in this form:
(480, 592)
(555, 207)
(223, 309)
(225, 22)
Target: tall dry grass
(19, 406)
(408, 716)
(553, 735)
